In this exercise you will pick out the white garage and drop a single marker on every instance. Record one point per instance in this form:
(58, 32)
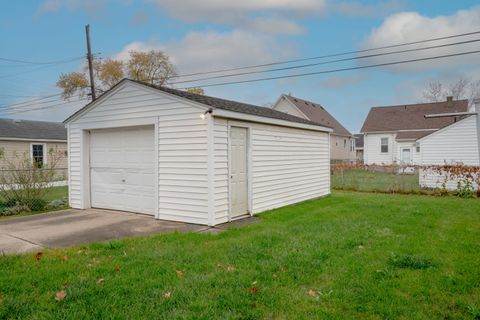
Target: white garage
(192, 158)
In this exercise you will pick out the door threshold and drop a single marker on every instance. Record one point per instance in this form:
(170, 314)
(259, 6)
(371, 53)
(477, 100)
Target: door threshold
(243, 216)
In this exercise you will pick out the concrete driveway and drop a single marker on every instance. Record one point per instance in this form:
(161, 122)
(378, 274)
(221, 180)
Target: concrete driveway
(69, 227)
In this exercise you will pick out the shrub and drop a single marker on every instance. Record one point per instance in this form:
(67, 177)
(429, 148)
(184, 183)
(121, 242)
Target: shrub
(14, 210)
(408, 261)
(57, 204)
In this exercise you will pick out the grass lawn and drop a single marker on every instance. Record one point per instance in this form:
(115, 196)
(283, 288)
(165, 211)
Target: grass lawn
(347, 256)
(361, 180)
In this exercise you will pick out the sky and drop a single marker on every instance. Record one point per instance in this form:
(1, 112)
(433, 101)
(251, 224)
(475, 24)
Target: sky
(46, 38)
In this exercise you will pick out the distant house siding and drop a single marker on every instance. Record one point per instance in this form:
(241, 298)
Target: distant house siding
(284, 106)
(340, 148)
(372, 148)
(14, 152)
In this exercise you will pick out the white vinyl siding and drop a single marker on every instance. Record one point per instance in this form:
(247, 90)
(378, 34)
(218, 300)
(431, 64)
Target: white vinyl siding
(287, 166)
(372, 148)
(182, 148)
(455, 143)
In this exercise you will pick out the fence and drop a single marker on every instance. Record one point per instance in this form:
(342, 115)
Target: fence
(403, 178)
(35, 189)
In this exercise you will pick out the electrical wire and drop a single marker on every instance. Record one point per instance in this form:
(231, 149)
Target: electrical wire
(327, 62)
(335, 70)
(331, 55)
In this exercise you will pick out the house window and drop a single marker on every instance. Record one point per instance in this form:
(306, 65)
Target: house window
(344, 143)
(384, 145)
(352, 145)
(38, 155)
(418, 148)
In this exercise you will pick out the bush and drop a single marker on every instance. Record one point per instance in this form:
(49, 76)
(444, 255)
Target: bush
(14, 210)
(57, 204)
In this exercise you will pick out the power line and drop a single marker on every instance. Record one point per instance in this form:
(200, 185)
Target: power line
(43, 107)
(40, 62)
(32, 100)
(326, 62)
(330, 55)
(335, 70)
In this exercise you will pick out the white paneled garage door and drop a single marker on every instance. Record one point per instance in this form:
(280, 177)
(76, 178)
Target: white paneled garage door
(122, 169)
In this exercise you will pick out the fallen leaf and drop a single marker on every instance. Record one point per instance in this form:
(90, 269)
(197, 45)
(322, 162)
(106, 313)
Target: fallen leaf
(360, 247)
(64, 258)
(312, 293)
(125, 253)
(253, 289)
(180, 273)
(100, 281)
(254, 282)
(282, 269)
(38, 255)
(116, 268)
(230, 268)
(167, 295)
(274, 275)
(65, 285)
(380, 270)
(60, 295)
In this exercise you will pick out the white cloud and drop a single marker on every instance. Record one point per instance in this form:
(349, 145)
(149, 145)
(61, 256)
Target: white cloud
(203, 51)
(89, 6)
(412, 26)
(276, 26)
(358, 9)
(268, 16)
(223, 11)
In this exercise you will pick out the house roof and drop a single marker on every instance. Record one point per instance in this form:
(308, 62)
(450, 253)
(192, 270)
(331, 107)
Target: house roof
(215, 103)
(413, 135)
(33, 130)
(359, 140)
(316, 113)
(412, 117)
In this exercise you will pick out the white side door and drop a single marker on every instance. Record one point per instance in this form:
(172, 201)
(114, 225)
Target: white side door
(122, 169)
(238, 172)
(406, 155)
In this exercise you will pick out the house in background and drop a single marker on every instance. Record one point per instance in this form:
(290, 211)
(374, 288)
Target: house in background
(40, 141)
(342, 142)
(186, 157)
(359, 146)
(406, 134)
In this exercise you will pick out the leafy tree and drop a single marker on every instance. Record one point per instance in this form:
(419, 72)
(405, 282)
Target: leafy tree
(153, 67)
(196, 90)
(462, 88)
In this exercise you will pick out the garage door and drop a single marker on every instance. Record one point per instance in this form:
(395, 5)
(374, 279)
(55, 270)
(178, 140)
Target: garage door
(122, 169)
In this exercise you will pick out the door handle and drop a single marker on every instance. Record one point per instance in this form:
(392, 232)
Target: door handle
(123, 180)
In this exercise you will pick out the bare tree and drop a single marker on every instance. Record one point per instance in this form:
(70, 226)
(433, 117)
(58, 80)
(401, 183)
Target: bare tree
(462, 88)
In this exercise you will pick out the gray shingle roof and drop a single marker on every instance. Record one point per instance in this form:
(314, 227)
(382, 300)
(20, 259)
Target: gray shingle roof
(412, 116)
(34, 130)
(316, 113)
(219, 103)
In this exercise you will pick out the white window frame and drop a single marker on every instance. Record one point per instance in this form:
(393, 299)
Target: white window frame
(382, 145)
(45, 151)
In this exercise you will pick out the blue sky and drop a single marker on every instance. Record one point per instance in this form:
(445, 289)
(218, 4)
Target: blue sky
(212, 34)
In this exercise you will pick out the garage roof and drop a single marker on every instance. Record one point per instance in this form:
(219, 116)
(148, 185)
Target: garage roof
(219, 103)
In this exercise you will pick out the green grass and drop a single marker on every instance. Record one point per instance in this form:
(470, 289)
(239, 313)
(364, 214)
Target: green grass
(361, 180)
(360, 255)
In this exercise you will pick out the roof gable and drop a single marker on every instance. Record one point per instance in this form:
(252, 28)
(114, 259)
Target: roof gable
(204, 100)
(316, 113)
(412, 117)
(32, 130)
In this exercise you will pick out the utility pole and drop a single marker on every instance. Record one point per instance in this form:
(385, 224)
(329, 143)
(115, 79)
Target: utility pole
(90, 62)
